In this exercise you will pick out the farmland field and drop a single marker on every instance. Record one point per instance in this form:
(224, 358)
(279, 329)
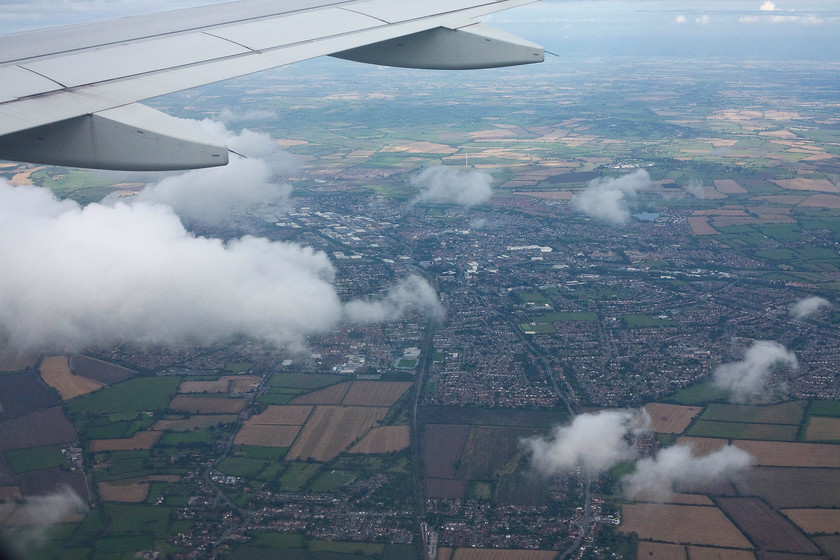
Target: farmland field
(193, 423)
(140, 440)
(225, 384)
(671, 418)
(306, 381)
(24, 392)
(488, 450)
(35, 458)
(97, 370)
(448, 488)
(266, 435)
(704, 553)
(206, 405)
(332, 395)
(291, 415)
(682, 524)
(783, 454)
(825, 408)
(739, 430)
(442, 447)
(55, 371)
(332, 429)
(815, 520)
(661, 551)
(784, 413)
(375, 393)
(138, 394)
(384, 439)
(11, 361)
(765, 527)
(53, 428)
(785, 487)
(823, 429)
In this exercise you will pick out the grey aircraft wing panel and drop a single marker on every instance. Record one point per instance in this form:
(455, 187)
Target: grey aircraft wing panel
(54, 82)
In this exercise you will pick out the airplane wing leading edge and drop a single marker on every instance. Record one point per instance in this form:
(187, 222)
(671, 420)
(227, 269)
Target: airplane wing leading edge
(69, 96)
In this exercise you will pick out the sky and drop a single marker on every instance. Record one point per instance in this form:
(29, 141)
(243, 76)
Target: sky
(714, 29)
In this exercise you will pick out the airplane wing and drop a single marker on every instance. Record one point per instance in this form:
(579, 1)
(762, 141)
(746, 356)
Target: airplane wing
(69, 95)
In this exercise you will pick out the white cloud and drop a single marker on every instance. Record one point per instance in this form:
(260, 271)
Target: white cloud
(768, 6)
(749, 376)
(452, 185)
(808, 306)
(695, 189)
(229, 116)
(607, 198)
(411, 294)
(703, 20)
(654, 477)
(681, 19)
(594, 442)
(217, 195)
(73, 277)
(36, 514)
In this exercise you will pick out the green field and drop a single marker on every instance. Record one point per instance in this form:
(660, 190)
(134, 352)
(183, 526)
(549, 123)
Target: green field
(309, 381)
(825, 408)
(739, 430)
(134, 519)
(539, 328)
(131, 396)
(559, 316)
(296, 476)
(785, 413)
(698, 394)
(35, 458)
(330, 480)
(645, 321)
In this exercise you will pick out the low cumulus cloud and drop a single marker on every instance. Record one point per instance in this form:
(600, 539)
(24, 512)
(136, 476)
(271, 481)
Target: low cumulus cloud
(695, 189)
(36, 514)
(608, 198)
(806, 307)
(75, 277)
(413, 293)
(768, 6)
(749, 376)
(230, 116)
(452, 185)
(594, 442)
(654, 477)
(218, 195)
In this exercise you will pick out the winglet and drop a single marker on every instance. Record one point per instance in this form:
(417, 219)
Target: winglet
(128, 138)
(441, 48)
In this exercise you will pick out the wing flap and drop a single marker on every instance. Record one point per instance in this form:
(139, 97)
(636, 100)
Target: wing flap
(129, 138)
(19, 82)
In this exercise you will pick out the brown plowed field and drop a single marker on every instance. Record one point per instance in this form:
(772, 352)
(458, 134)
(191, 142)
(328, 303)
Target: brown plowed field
(132, 491)
(823, 429)
(192, 423)
(682, 524)
(206, 405)
(447, 488)
(784, 454)
(224, 384)
(330, 430)
(660, 551)
(9, 492)
(788, 487)
(729, 186)
(103, 372)
(333, 394)
(266, 435)
(671, 418)
(24, 392)
(53, 428)
(765, 527)
(375, 393)
(289, 415)
(55, 371)
(384, 439)
(815, 520)
(675, 498)
(140, 440)
(442, 447)
(703, 553)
